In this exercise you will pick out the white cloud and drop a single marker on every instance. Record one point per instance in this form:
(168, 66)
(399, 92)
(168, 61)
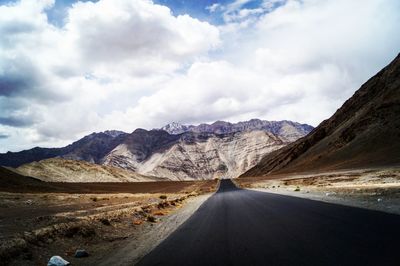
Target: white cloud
(107, 56)
(125, 64)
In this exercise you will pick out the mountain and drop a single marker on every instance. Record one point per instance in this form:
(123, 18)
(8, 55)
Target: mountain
(192, 155)
(91, 148)
(175, 128)
(176, 152)
(363, 133)
(61, 170)
(138, 146)
(287, 130)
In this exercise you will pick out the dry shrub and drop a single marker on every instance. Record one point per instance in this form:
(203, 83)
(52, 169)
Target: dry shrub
(151, 219)
(137, 222)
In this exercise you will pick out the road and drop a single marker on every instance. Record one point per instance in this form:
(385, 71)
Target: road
(243, 227)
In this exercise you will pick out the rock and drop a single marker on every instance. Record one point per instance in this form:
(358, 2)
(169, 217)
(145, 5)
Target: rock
(81, 253)
(379, 200)
(105, 221)
(29, 202)
(57, 261)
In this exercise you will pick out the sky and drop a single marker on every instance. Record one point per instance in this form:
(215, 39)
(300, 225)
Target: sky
(70, 68)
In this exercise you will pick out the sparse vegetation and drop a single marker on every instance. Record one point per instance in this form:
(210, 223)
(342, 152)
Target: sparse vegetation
(151, 219)
(297, 189)
(163, 197)
(105, 221)
(137, 222)
(222, 168)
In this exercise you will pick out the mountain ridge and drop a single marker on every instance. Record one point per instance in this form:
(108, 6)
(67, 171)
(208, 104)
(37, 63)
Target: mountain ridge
(221, 127)
(203, 152)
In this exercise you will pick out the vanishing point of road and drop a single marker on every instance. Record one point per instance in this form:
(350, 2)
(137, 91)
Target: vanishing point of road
(243, 227)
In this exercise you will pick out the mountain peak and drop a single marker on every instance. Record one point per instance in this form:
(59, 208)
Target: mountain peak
(113, 133)
(175, 128)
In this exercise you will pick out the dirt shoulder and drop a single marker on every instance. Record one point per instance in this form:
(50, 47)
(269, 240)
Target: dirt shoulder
(377, 189)
(36, 226)
(152, 235)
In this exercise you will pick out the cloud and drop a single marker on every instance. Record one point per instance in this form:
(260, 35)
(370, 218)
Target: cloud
(4, 136)
(129, 31)
(126, 64)
(213, 8)
(59, 82)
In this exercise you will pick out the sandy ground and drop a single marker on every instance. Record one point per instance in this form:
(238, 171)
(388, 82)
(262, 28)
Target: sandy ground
(36, 226)
(376, 189)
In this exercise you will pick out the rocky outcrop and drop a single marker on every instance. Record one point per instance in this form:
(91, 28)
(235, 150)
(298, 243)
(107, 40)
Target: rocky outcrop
(363, 133)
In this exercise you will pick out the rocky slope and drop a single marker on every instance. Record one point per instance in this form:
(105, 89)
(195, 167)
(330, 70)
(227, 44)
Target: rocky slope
(194, 155)
(138, 146)
(363, 133)
(61, 170)
(288, 130)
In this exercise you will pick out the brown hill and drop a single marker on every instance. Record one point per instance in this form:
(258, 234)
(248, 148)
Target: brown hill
(62, 170)
(363, 133)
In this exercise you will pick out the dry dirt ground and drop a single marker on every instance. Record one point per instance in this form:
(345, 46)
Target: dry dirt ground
(377, 189)
(36, 226)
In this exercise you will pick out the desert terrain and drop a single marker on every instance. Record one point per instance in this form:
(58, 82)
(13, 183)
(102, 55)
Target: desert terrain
(49, 219)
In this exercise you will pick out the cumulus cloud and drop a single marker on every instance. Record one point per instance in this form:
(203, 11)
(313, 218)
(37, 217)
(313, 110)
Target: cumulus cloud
(125, 64)
(60, 82)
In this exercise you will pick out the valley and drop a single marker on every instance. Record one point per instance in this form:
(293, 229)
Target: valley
(141, 194)
(199, 133)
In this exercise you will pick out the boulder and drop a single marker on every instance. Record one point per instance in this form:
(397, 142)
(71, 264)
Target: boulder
(57, 261)
(81, 253)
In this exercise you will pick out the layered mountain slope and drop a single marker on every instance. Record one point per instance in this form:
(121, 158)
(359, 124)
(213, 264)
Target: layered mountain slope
(364, 132)
(195, 155)
(61, 170)
(139, 146)
(288, 130)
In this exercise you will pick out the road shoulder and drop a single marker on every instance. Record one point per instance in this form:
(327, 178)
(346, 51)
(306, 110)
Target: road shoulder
(153, 234)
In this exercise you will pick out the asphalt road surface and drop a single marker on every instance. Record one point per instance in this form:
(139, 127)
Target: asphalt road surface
(243, 227)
